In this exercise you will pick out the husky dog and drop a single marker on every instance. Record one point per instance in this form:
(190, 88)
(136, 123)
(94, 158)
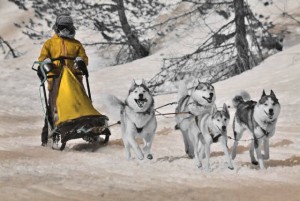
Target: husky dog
(260, 119)
(199, 102)
(137, 119)
(211, 128)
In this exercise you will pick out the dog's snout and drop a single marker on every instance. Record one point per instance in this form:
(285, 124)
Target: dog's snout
(211, 95)
(271, 111)
(141, 96)
(224, 128)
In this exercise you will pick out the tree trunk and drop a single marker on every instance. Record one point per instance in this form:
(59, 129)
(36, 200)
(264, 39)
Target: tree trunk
(132, 38)
(242, 61)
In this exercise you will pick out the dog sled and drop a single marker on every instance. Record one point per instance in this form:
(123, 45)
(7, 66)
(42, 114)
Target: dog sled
(69, 110)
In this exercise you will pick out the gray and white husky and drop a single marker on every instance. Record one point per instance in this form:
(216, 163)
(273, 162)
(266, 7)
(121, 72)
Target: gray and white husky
(137, 119)
(200, 101)
(260, 119)
(211, 128)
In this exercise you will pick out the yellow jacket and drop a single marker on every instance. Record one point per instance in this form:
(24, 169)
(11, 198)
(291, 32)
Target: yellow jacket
(56, 47)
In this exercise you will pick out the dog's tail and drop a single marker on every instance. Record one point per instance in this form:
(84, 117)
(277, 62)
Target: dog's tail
(182, 90)
(112, 105)
(240, 97)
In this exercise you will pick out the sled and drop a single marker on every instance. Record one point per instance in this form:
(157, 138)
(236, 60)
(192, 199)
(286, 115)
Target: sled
(69, 111)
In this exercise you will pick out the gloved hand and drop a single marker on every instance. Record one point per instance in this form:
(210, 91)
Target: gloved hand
(47, 60)
(81, 65)
(78, 59)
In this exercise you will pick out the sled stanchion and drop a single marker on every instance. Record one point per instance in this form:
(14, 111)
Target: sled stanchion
(88, 87)
(63, 145)
(47, 107)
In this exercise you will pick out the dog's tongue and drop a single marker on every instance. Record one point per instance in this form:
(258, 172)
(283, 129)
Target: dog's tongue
(140, 102)
(208, 99)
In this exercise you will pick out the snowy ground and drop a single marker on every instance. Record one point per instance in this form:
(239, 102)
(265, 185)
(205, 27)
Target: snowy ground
(94, 172)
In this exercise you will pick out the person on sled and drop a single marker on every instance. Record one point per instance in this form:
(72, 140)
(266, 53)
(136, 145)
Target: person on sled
(62, 44)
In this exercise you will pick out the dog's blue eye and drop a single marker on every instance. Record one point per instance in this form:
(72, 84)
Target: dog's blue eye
(135, 91)
(218, 119)
(266, 104)
(225, 119)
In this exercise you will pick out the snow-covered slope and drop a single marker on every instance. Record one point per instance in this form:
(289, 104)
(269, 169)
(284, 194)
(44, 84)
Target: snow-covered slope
(94, 172)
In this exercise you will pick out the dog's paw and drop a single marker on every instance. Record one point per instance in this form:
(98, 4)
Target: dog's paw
(44, 144)
(199, 165)
(149, 156)
(190, 155)
(254, 162)
(207, 169)
(265, 157)
(140, 156)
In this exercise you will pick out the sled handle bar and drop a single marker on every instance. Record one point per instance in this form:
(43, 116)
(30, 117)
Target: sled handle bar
(42, 70)
(63, 58)
(55, 59)
(81, 66)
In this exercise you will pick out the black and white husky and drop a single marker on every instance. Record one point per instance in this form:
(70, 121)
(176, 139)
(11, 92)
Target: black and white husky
(137, 118)
(200, 101)
(260, 119)
(211, 128)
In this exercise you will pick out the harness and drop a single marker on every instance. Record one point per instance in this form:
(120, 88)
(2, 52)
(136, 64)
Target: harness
(265, 131)
(138, 129)
(215, 139)
(189, 112)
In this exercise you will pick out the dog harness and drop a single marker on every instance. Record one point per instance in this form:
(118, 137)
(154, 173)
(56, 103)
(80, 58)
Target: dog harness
(265, 131)
(139, 130)
(214, 138)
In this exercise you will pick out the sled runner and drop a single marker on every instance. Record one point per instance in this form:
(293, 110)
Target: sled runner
(69, 111)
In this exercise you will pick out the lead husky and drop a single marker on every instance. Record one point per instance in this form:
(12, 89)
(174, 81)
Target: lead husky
(137, 119)
(258, 117)
(199, 102)
(211, 128)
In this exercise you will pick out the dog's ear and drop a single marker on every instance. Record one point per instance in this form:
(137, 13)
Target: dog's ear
(214, 109)
(199, 82)
(263, 94)
(272, 93)
(225, 109)
(144, 82)
(133, 83)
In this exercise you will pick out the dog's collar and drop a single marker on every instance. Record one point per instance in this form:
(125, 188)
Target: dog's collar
(139, 130)
(269, 122)
(214, 138)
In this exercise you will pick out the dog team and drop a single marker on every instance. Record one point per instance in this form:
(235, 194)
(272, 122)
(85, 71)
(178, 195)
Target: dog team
(199, 121)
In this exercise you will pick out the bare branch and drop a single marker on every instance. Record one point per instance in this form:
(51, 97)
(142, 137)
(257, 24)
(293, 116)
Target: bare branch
(9, 47)
(173, 18)
(208, 2)
(104, 43)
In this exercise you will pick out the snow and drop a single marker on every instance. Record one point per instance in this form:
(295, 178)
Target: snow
(97, 172)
